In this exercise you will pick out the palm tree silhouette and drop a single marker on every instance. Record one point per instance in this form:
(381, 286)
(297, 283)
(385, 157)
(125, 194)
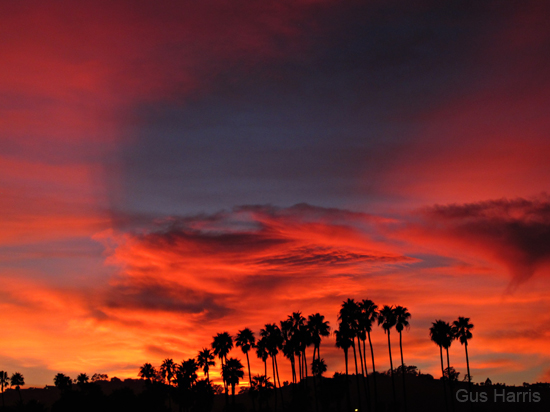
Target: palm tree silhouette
(343, 341)
(82, 379)
(318, 367)
(205, 359)
(261, 352)
(289, 347)
(402, 321)
(232, 371)
(245, 340)
(186, 374)
(168, 370)
(17, 380)
(274, 342)
(300, 339)
(387, 318)
(368, 315)
(349, 314)
(461, 331)
(222, 344)
(4, 381)
(438, 333)
(147, 372)
(260, 385)
(447, 340)
(62, 382)
(319, 328)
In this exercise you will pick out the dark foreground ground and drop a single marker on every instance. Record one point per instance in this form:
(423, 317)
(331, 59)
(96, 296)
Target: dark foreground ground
(423, 393)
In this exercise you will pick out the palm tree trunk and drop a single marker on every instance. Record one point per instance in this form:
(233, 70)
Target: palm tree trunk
(225, 384)
(356, 375)
(293, 369)
(391, 369)
(443, 378)
(450, 381)
(300, 365)
(274, 380)
(373, 371)
(249, 375)
(469, 376)
(365, 358)
(366, 374)
(314, 352)
(467, 362)
(277, 369)
(346, 357)
(360, 357)
(305, 365)
(365, 381)
(274, 376)
(403, 370)
(249, 383)
(347, 379)
(280, 387)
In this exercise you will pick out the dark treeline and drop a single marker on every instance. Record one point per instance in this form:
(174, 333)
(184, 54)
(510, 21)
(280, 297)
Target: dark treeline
(177, 386)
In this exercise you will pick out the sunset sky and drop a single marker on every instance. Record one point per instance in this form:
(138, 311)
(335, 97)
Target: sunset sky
(172, 170)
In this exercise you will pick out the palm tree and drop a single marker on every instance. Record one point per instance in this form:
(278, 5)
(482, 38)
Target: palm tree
(168, 370)
(298, 335)
(318, 367)
(289, 347)
(205, 359)
(245, 340)
(186, 374)
(148, 372)
(62, 382)
(368, 315)
(17, 380)
(447, 340)
(461, 331)
(402, 321)
(343, 341)
(4, 381)
(274, 342)
(318, 328)
(222, 344)
(387, 318)
(82, 379)
(438, 333)
(233, 371)
(260, 385)
(261, 352)
(303, 340)
(349, 315)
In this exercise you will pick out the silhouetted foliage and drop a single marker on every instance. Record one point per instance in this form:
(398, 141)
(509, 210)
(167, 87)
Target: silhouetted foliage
(62, 382)
(451, 374)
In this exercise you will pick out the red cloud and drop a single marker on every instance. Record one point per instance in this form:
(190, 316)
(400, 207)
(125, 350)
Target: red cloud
(514, 232)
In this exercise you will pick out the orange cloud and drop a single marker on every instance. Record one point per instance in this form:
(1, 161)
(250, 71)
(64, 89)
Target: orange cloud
(231, 270)
(181, 280)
